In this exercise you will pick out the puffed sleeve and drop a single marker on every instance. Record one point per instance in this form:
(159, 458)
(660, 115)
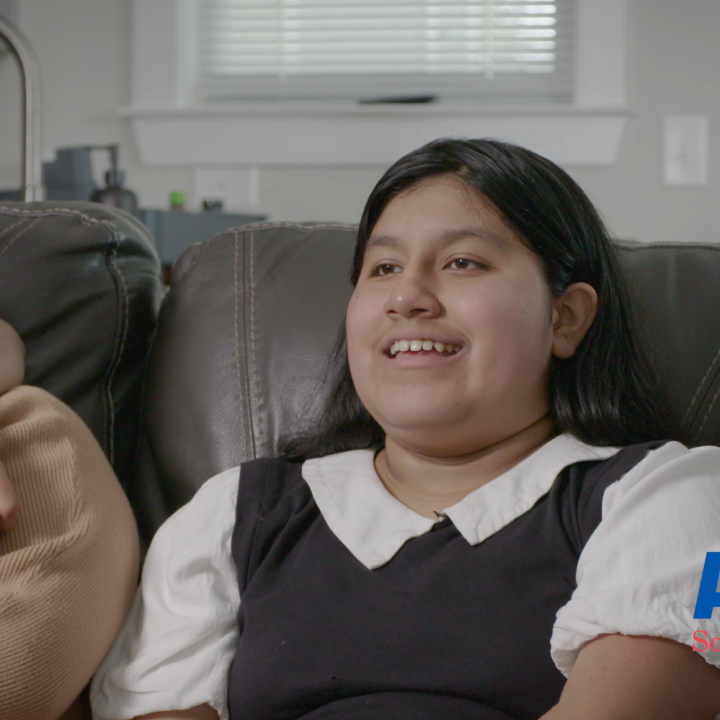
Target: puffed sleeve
(175, 648)
(640, 571)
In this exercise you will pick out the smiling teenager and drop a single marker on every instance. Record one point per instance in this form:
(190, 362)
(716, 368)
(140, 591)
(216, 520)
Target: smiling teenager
(494, 500)
(442, 267)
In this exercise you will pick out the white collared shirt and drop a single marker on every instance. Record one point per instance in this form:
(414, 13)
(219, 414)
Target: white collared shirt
(638, 574)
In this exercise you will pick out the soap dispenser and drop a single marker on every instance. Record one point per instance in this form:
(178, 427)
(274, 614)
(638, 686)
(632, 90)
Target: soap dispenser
(114, 193)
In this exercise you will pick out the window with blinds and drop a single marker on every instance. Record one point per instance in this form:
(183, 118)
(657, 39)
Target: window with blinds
(500, 51)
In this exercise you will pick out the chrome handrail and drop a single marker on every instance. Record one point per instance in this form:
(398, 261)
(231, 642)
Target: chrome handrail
(30, 76)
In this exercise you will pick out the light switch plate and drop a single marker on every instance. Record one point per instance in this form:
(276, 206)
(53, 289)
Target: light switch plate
(685, 150)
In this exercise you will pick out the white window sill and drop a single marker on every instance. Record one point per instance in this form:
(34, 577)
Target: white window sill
(322, 133)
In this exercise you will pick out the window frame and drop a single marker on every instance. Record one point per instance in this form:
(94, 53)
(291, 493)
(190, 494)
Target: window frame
(172, 128)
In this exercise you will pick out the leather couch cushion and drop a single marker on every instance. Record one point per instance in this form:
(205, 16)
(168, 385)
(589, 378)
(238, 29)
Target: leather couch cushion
(80, 282)
(677, 287)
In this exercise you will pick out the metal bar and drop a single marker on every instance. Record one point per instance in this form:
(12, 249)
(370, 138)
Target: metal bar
(30, 76)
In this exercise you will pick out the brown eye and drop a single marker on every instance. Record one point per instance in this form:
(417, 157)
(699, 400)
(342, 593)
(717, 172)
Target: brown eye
(464, 264)
(385, 269)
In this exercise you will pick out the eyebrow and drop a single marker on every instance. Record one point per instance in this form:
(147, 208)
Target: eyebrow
(447, 238)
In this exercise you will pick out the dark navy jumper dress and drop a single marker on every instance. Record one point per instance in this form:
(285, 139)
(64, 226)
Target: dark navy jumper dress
(443, 631)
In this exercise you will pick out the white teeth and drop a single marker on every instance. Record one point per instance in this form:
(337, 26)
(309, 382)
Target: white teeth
(417, 345)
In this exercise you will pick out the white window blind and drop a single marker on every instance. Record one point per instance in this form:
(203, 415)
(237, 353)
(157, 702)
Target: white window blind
(490, 50)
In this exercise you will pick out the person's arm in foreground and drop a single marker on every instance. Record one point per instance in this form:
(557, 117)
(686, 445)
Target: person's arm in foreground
(8, 501)
(12, 371)
(619, 677)
(68, 558)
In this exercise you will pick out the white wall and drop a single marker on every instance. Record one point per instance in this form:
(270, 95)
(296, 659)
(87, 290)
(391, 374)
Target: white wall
(84, 49)
(674, 68)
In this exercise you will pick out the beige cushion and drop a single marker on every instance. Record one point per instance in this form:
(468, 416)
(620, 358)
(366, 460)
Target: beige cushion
(69, 568)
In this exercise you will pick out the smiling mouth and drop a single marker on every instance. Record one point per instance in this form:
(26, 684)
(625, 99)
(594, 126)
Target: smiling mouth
(416, 346)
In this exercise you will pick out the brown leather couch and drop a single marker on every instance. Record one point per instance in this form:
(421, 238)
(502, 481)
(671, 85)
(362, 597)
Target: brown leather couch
(179, 386)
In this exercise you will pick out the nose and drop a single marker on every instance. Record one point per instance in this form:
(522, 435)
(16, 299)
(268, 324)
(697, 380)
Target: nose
(412, 295)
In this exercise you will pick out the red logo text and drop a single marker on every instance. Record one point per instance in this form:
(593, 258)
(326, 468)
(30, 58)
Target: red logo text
(700, 637)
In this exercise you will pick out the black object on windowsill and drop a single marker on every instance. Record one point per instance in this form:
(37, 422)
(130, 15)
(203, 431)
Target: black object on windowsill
(400, 100)
(212, 205)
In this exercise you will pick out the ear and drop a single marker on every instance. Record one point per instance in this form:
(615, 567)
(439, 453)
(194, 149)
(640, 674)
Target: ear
(573, 314)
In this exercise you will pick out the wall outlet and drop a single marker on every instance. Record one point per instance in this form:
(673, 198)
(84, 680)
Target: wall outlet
(685, 150)
(237, 188)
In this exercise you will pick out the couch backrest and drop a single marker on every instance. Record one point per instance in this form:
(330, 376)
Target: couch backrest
(677, 287)
(81, 284)
(252, 313)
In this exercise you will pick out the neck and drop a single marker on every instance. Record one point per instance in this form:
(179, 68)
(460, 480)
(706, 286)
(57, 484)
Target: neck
(428, 484)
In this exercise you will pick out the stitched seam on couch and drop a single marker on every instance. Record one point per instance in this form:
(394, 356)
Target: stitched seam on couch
(245, 311)
(123, 321)
(258, 418)
(10, 228)
(699, 387)
(251, 227)
(707, 414)
(197, 249)
(236, 313)
(105, 398)
(48, 211)
(19, 234)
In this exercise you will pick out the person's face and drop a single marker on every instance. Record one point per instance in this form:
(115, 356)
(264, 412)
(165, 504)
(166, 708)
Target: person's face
(441, 267)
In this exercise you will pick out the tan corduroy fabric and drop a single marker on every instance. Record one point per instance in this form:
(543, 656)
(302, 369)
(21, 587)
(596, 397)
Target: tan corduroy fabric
(69, 568)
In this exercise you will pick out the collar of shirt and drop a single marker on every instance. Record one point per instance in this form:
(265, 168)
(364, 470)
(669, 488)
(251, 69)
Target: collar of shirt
(373, 525)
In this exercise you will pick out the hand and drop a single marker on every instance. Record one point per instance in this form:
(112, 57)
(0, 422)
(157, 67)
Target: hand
(8, 502)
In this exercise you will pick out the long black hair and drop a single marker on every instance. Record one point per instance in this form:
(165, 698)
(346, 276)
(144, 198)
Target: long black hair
(607, 392)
